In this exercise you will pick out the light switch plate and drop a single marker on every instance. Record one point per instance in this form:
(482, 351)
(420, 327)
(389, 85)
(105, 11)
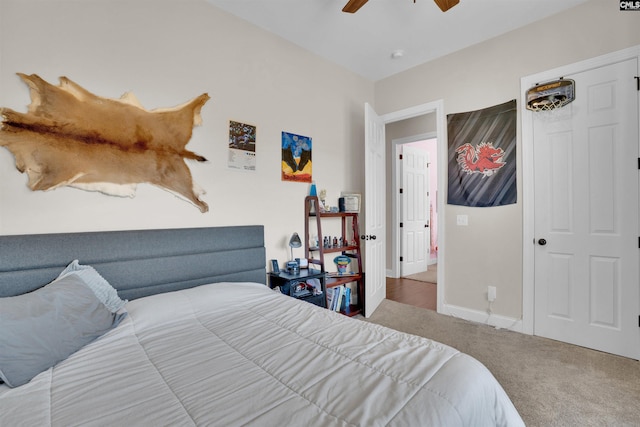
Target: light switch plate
(463, 220)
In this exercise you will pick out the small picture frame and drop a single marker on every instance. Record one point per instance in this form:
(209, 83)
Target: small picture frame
(274, 266)
(351, 202)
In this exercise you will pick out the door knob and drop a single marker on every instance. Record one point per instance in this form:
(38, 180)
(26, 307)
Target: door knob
(368, 237)
(542, 242)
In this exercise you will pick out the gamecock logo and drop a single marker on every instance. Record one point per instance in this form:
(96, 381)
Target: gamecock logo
(484, 159)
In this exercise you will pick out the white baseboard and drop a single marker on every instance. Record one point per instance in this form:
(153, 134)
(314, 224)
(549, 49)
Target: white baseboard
(478, 316)
(495, 320)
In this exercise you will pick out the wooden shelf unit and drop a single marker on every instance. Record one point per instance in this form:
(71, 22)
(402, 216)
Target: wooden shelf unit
(350, 234)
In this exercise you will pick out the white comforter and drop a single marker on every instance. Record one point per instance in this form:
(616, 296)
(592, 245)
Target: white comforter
(232, 354)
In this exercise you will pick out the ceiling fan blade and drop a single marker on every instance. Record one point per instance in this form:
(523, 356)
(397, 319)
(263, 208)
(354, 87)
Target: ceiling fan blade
(445, 5)
(353, 6)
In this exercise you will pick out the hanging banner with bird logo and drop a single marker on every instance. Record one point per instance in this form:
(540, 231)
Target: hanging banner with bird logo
(296, 157)
(482, 156)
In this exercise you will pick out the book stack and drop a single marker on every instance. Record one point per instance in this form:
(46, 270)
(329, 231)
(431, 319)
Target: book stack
(339, 298)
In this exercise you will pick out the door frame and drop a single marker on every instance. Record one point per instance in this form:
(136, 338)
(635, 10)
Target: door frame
(528, 175)
(436, 107)
(396, 235)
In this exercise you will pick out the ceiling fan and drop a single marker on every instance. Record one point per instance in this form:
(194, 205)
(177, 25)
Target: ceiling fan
(353, 5)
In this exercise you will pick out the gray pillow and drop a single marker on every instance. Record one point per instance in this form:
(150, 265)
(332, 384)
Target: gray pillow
(103, 290)
(44, 327)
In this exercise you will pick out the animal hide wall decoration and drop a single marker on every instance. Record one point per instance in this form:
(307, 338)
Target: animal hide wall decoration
(71, 137)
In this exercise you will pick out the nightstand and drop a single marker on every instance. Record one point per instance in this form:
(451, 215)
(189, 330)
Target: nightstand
(288, 284)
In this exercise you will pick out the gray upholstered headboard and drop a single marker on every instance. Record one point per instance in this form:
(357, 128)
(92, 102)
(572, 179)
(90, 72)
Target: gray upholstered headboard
(137, 263)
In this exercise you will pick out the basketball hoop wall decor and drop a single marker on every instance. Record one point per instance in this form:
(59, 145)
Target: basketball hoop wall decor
(551, 95)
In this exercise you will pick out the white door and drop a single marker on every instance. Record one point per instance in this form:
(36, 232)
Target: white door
(586, 214)
(415, 210)
(375, 233)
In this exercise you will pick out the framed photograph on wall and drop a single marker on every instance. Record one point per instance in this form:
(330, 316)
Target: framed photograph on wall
(242, 146)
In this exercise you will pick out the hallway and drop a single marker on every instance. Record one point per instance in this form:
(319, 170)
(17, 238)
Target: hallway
(412, 292)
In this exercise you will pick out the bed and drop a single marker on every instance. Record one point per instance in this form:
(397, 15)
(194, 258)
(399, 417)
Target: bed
(202, 341)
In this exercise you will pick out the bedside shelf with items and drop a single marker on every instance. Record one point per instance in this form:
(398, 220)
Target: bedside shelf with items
(301, 285)
(318, 246)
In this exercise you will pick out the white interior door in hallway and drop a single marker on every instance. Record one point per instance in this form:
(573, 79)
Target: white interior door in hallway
(415, 232)
(586, 213)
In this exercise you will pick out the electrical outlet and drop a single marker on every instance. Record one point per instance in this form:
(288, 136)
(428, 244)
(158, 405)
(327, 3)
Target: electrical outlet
(462, 220)
(491, 293)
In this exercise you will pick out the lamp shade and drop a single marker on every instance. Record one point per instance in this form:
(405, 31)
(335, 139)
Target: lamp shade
(295, 241)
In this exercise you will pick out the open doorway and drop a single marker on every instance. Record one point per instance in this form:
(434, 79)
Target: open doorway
(414, 197)
(412, 223)
(379, 132)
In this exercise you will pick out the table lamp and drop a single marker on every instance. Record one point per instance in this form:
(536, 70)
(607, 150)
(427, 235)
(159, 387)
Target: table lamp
(294, 242)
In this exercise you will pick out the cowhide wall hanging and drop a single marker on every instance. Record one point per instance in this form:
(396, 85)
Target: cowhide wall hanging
(71, 137)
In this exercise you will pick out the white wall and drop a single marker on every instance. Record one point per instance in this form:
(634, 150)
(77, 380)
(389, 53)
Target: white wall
(167, 52)
(489, 250)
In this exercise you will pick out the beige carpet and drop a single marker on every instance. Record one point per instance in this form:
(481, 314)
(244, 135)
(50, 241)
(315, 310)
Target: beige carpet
(550, 383)
(431, 275)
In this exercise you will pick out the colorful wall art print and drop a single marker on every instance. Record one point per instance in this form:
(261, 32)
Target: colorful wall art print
(482, 156)
(296, 158)
(242, 146)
